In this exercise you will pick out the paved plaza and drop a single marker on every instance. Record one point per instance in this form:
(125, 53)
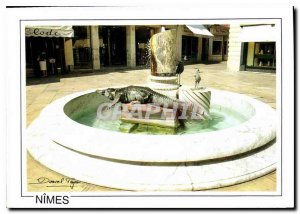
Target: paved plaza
(42, 91)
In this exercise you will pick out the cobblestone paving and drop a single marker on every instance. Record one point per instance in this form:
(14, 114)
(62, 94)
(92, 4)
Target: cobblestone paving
(42, 91)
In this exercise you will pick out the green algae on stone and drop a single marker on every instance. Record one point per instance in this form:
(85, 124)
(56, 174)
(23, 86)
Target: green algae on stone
(127, 127)
(146, 129)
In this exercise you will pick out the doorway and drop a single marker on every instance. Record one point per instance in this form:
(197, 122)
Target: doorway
(112, 46)
(44, 48)
(189, 49)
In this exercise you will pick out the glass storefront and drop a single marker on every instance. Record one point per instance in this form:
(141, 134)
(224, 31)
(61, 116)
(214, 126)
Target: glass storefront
(112, 42)
(73, 52)
(260, 55)
(82, 51)
(264, 55)
(189, 48)
(49, 50)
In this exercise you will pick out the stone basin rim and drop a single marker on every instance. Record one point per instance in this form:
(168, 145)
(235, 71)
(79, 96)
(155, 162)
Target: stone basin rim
(177, 148)
(137, 177)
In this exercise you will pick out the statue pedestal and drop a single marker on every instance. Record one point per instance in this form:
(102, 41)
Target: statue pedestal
(163, 77)
(199, 97)
(164, 85)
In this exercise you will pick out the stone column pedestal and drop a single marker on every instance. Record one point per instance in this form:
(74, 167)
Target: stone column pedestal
(164, 85)
(163, 77)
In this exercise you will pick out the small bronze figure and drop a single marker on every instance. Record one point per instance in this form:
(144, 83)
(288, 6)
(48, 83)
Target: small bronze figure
(179, 70)
(197, 78)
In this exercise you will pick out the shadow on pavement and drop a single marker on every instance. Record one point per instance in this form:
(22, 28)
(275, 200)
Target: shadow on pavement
(79, 73)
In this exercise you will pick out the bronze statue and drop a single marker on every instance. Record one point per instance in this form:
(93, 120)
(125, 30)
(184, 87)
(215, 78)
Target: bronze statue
(197, 78)
(179, 70)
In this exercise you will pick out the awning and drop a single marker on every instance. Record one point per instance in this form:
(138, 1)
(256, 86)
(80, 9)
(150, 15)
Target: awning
(259, 33)
(199, 30)
(49, 31)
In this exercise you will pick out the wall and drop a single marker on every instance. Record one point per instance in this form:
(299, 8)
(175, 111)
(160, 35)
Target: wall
(130, 46)
(250, 54)
(199, 55)
(68, 47)
(234, 48)
(95, 47)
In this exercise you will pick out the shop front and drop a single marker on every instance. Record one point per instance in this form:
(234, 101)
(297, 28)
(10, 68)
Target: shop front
(52, 50)
(219, 43)
(112, 45)
(190, 48)
(258, 48)
(260, 55)
(45, 50)
(195, 43)
(82, 50)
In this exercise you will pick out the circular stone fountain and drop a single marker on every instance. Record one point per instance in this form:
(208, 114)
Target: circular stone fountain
(237, 144)
(230, 154)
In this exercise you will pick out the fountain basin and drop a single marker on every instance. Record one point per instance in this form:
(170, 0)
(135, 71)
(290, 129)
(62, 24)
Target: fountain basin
(258, 129)
(141, 162)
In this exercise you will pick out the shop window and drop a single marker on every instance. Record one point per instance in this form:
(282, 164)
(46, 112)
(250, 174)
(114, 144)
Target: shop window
(50, 49)
(217, 48)
(82, 51)
(142, 37)
(264, 55)
(189, 48)
(112, 42)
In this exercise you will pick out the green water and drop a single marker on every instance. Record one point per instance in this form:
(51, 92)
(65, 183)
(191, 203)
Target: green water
(221, 118)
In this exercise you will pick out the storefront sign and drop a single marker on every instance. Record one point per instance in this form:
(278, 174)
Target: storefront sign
(49, 31)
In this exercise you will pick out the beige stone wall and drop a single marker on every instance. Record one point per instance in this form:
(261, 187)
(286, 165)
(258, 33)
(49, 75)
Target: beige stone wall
(199, 55)
(68, 46)
(210, 46)
(95, 47)
(234, 48)
(250, 54)
(130, 46)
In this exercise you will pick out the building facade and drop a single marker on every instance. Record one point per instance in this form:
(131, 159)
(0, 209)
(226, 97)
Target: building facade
(252, 48)
(218, 45)
(62, 49)
(69, 48)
